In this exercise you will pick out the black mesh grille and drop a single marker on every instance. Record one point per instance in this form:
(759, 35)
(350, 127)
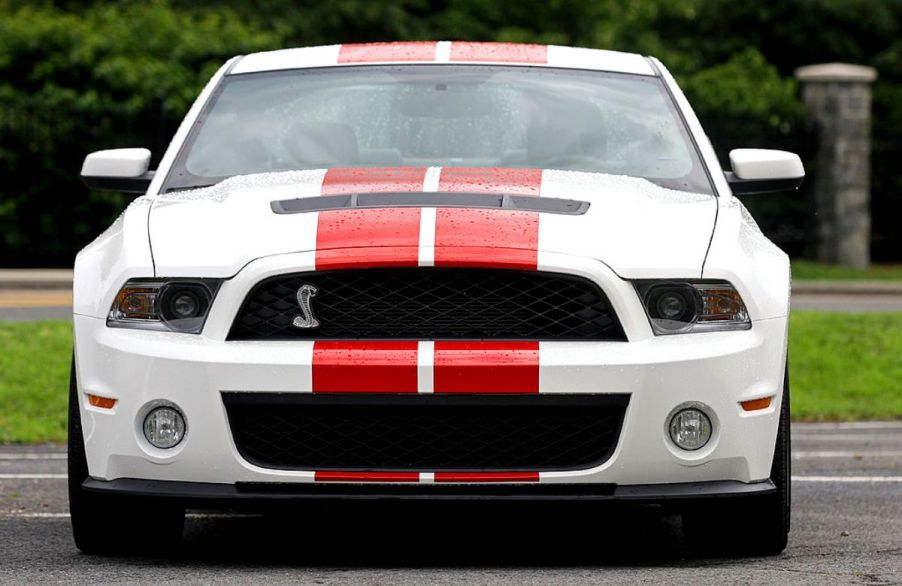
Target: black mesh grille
(431, 304)
(392, 432)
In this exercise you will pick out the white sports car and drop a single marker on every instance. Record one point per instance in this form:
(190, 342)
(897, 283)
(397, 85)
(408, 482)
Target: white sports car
(439, 270)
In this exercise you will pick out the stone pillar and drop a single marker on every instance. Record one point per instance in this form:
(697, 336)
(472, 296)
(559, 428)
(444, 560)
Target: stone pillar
(837, 97)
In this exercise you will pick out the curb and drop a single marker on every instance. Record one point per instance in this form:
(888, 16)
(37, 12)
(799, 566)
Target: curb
(30, 279)
(847, 287)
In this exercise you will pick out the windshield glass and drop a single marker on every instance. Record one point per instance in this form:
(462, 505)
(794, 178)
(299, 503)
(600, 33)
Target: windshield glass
(440, 115)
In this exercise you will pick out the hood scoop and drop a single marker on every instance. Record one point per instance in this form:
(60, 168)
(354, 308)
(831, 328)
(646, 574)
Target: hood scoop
(526, 203)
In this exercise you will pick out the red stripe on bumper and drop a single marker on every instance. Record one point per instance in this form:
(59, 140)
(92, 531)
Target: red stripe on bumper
(486, 367)
(486, 476)
(369, 52)
(364, 367)
(502, 52)
(334, 476)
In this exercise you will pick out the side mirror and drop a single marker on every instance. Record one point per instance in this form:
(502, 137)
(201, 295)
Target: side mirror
(764, 171)
(117, 170)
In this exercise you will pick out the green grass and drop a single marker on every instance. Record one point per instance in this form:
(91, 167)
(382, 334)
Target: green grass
(846, 365)
(843, 366)
(34, 380)
(807, 270)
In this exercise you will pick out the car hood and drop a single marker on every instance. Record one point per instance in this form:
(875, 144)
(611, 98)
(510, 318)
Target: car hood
(637, 228)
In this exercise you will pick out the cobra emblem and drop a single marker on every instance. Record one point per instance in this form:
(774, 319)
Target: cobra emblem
(307, 320)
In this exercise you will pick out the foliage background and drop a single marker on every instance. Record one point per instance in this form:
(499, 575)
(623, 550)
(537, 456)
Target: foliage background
(80, 75)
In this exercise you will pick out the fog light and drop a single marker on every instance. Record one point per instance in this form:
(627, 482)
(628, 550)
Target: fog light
(164, 427)
(690, 429)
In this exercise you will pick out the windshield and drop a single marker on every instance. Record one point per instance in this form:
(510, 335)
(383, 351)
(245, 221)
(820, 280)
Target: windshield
(440, 115)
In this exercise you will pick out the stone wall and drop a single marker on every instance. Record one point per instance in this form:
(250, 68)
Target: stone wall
(838, 100)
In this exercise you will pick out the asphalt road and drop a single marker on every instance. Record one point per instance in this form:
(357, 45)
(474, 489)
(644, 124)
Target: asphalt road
(847, 528)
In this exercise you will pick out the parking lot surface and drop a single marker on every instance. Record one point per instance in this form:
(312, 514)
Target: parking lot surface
(847, 528)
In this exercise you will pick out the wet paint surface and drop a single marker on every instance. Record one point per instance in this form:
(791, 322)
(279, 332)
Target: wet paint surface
(371, 237)
(337, 476)
(499, 52)
(375, 52)
(486, 367)
(373, 180)
(486, 238)
(368, 238)
(486, 476)
(364, 367)
(490, 180)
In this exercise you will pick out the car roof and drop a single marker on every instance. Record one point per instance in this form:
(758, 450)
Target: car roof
(444, 52)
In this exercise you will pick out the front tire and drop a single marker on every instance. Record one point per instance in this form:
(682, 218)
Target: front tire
(104, 525)
(757, 526)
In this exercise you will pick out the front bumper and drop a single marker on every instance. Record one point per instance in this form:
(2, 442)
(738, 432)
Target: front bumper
(209, 495)
(659, 373)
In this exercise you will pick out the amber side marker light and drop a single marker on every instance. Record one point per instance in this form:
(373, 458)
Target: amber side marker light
(101, 402)
(756, 404)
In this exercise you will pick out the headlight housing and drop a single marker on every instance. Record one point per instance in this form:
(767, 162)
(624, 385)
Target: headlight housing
(679, 307)
(176, 305)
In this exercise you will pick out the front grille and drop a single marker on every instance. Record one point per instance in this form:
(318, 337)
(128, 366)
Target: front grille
(437, 432)
(430, 304)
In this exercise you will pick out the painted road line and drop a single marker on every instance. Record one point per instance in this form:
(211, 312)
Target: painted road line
(15, 515)
(33, 476)
(802, 427)
(847, 479)
(844, 438)
(846, 454)
(32, 456)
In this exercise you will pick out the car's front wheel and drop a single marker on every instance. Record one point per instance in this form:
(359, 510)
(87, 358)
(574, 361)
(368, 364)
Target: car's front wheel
(121, 525)
(757, 526)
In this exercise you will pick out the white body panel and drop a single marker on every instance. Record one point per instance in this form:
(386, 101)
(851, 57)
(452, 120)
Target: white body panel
(633, 229)
(327, 56)
(659, 373)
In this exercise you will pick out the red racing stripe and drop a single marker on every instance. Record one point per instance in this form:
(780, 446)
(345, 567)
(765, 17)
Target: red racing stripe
(488, 238)
(486, 476)
(336, 476)
(486, 367)
(490, 180)
(371, 237)
(364, 367)
(370, 52)
(368, 238)
(373, 180)
(499, 52)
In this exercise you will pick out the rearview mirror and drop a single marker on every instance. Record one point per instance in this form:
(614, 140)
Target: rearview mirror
(764, 171)
(117, 170)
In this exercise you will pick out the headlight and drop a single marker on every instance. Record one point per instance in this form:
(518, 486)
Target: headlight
(169, 305)
(681, 307)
